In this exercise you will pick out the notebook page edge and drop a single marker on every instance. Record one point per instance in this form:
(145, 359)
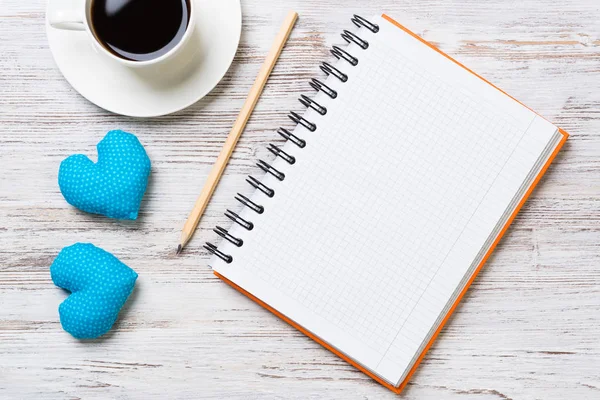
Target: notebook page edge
(555, 141)
(534, 117)
(490, 213)
(404, 380)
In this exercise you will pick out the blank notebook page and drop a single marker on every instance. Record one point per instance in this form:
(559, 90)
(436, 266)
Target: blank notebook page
(387, 207)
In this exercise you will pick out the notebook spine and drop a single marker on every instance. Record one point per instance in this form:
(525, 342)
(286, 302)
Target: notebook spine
(330, 70)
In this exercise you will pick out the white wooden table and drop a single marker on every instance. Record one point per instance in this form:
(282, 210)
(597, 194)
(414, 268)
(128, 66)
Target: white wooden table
(529, 328)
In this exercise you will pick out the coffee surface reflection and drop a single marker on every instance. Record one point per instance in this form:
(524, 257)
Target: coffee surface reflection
(140, 30)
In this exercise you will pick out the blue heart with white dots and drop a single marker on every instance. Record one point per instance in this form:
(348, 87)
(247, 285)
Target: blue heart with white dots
(99, 284)
(115, 185)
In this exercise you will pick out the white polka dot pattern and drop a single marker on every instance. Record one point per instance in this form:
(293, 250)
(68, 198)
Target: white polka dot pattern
(99, 284)
(115, 185)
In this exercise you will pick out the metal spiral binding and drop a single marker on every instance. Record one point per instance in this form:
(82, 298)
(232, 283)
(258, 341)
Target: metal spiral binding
(310, 103)
(331, 70)
(340, 53)
(214, 250)
(298, 119)
(250, 204)
(287, 135)
(352, 37)
(260, 186)
(360, 21)
(319, 86)
(280, 153)
(224, 233)
(269, 169)
(239, 220)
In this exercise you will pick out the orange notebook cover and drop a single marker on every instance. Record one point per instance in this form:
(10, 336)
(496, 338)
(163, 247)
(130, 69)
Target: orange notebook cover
(403, 384)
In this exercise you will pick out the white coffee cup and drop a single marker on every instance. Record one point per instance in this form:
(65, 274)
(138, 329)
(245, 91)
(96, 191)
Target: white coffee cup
(80, 19)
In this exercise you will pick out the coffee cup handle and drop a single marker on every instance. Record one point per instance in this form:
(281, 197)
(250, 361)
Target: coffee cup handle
(70, 20)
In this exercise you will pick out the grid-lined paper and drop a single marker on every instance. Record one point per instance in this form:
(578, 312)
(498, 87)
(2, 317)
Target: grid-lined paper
(367, 219)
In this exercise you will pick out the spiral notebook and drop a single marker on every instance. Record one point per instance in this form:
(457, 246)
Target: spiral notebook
(386, 199)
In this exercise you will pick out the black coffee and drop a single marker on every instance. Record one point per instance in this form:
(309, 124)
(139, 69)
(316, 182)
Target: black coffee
(140, 30)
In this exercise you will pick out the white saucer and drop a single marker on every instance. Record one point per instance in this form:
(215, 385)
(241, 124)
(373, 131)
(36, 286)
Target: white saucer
(163, 89)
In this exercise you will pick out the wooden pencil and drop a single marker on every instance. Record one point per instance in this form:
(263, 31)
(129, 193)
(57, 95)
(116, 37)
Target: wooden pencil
(236, 132)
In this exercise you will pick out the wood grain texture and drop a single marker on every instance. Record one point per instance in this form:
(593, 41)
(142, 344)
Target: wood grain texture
(218, 168)
(529, 328)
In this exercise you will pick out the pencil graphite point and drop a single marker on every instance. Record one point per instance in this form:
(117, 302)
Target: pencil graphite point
(179, 249)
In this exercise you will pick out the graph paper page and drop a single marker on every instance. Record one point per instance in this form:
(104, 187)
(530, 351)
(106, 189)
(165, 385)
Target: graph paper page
(379, 219)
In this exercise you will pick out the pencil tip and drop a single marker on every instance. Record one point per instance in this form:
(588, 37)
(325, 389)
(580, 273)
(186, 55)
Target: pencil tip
(179, 249)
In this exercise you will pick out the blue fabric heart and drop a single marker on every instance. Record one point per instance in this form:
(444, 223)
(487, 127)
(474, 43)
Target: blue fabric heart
(99, 284)
(115, 185)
